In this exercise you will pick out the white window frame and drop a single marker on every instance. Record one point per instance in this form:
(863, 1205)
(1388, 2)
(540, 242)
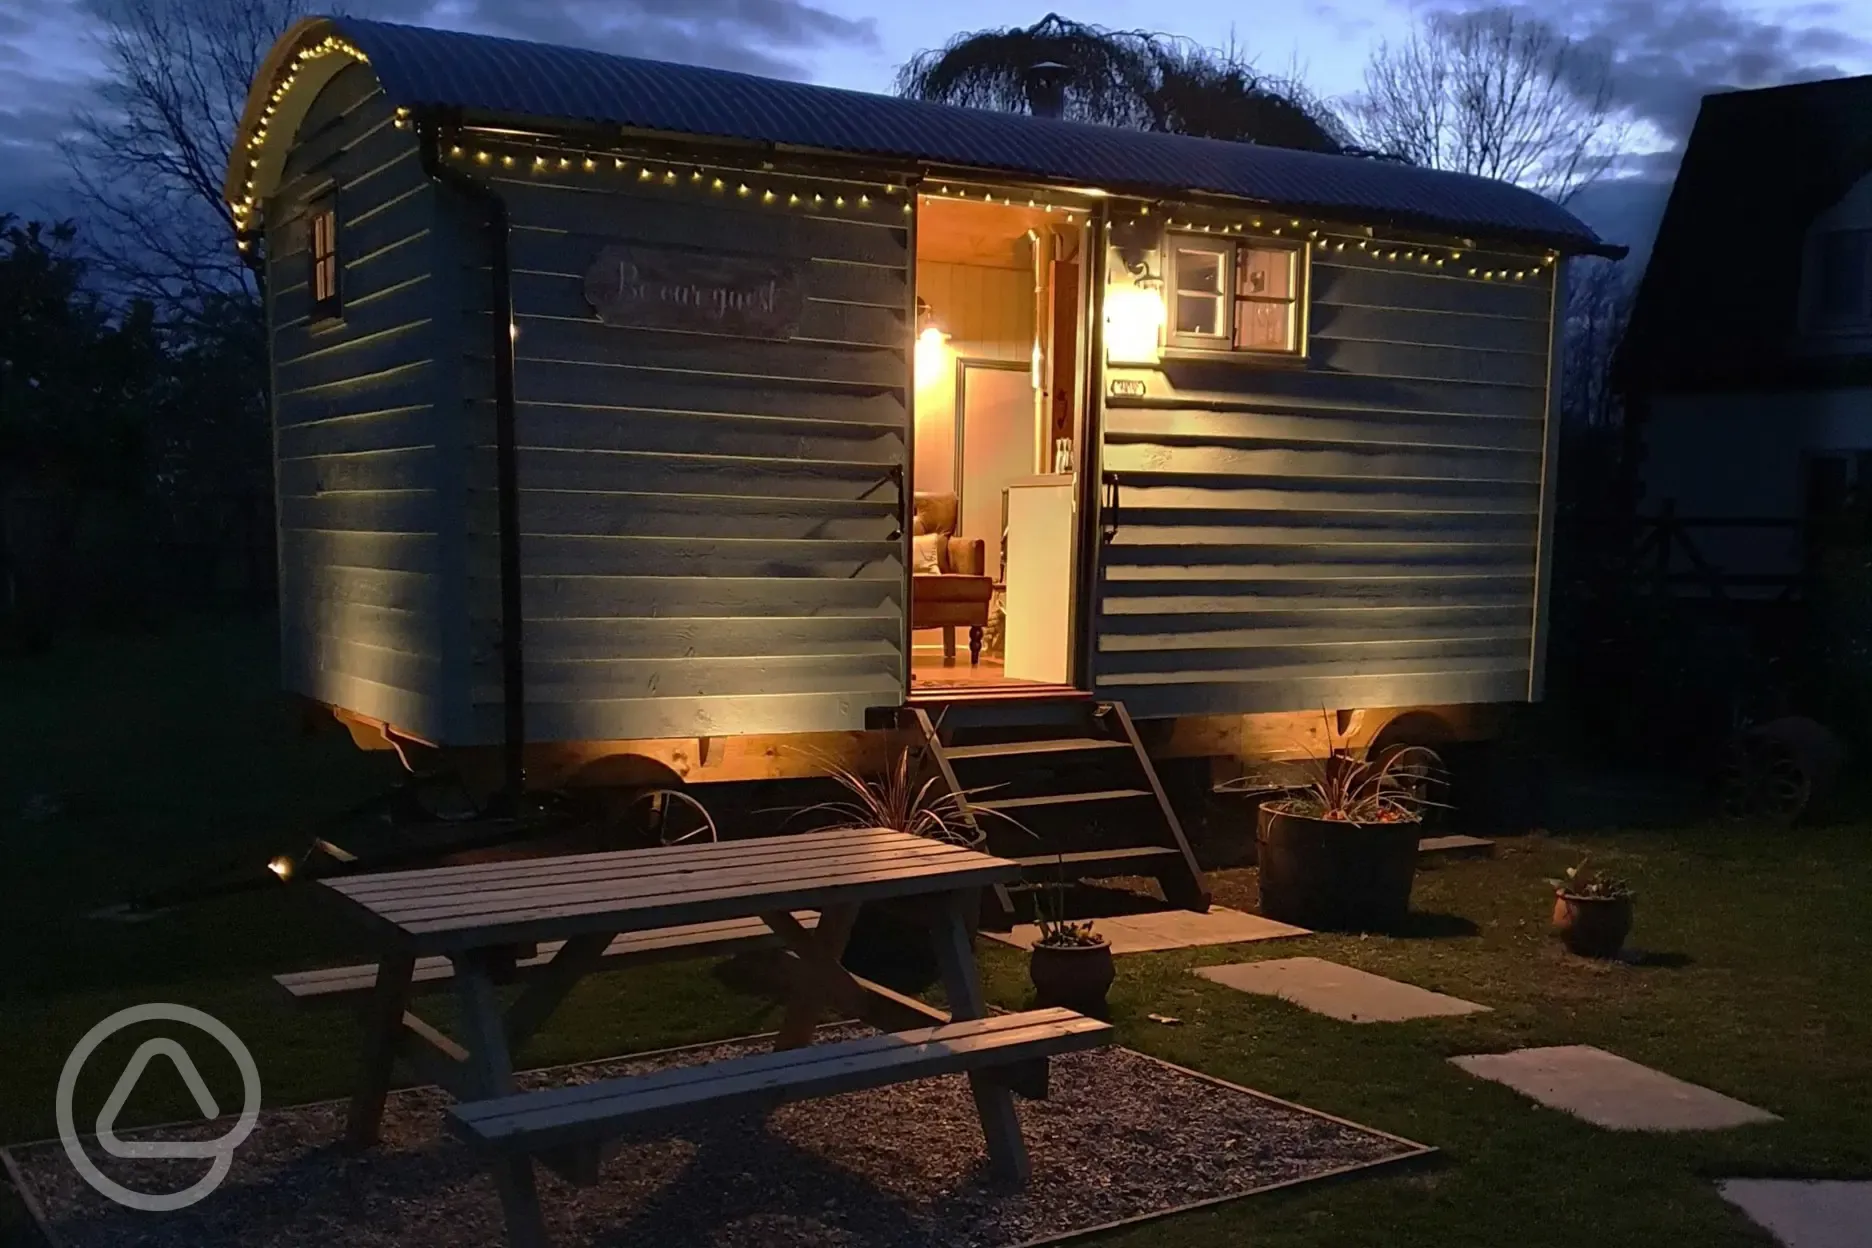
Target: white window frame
(1228, 249)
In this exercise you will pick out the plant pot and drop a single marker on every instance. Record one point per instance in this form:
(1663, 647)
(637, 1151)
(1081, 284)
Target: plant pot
(1325, 873)
(1592, 927)
(1076, 977)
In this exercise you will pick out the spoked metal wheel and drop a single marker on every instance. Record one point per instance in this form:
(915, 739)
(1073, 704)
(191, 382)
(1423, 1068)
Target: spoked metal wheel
(666, 817)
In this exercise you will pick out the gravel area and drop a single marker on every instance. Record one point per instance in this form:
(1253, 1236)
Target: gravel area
(1120, 1137)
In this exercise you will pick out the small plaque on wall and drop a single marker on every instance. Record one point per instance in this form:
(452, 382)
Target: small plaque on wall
(663, 288)
(1127, 388)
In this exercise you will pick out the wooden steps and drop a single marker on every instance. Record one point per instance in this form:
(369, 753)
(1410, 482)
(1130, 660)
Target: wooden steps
(1062, 786)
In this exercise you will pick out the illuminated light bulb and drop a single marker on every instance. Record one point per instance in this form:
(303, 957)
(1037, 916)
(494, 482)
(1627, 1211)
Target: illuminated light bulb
(539, 162)
(1519, 276)
(590, 164)
(617, 163)
(1294, 224)
(456, 150)
(864, 201)
(1472, 272)
(906, 209)
(507, 161)
(1439, 264)
(839, 202)
(742, 189)
(1144, 211)
(1455, 255)
(818, 198)
(482, 157)
(565, 162)
(931, 347)
(1134, 321)
(282, 867)
(670, 177)
(644, 175)
(1391, 255)
(717, 184)
(696, 176)
(945, 190)
(792, 199)
(767, 197)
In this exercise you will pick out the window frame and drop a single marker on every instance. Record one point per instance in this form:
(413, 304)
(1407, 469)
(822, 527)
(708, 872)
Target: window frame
(328, 306)
(1229, 248)
(1819, 319)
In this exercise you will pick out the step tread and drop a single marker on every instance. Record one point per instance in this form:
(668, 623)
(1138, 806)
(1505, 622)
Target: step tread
(1053, 745)
(1060, 799)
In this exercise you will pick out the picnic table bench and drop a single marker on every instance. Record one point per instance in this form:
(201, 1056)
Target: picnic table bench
(550, 921)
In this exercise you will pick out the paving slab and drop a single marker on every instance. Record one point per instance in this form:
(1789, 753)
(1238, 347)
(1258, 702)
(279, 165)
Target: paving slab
(1456, 847)
(1168, 929)
(1806, 1214)
(1341, 992)
(1610, 1091)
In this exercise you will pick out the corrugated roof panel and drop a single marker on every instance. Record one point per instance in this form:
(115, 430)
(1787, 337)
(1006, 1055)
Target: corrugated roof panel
(420, 67)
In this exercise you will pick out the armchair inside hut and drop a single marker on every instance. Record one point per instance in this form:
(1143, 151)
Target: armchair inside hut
(951, 588)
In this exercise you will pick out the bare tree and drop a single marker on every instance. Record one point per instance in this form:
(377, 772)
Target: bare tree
(1597, 309)
(1494, 94)
(148, 161)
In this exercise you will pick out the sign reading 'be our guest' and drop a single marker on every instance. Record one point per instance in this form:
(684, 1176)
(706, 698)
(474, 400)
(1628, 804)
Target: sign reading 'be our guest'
(663, 288)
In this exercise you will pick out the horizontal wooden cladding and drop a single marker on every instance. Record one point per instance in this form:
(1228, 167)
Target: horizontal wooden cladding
(1366, 657)
(1222, 630)
(679, 596)
(310, 593)
(604, 513)
(1476, 331)
(1339, 280)
(716, 637)
(1225, 595)
(378, 430)
(682, 218)
(1148, 696)
(837, 710)
(395, 392)
(651, 473)
(620, 392)
(396, 552)
(1160, 492)
(362, 656)
(414, 510)
(1265, 458)
(542, 427)
(1308, 561)
(373, 180)
(409, 467)
(1187, 527)
(1131, 420)
(561, 555)
(715, 676)
(1227, 385)
(542, 301)
(388, 275)
(590, 344)
(1402, 359)
(410, 710)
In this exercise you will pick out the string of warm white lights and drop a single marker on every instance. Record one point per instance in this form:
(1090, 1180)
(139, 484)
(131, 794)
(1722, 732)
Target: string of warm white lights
(331, 45)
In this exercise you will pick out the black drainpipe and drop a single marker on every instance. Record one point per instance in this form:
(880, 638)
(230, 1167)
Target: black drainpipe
(506, 462)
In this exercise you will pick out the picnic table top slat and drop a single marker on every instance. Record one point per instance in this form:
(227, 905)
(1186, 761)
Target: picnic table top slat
(452, 909)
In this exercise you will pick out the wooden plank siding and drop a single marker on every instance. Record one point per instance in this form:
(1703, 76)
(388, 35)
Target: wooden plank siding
(1357, 531)
(368, 526)
(709, 524)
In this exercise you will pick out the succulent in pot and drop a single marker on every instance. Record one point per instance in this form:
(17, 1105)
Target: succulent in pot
(1070, 964)
(1339, 849)
(1592, 912)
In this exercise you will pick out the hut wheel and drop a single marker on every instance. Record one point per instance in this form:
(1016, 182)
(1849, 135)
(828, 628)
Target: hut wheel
(666, 817)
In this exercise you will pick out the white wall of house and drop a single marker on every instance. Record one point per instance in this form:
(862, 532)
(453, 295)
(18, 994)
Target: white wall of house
(1824, 332)
(1741, 455)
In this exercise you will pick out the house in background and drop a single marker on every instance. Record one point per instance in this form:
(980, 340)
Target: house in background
(1747, 369)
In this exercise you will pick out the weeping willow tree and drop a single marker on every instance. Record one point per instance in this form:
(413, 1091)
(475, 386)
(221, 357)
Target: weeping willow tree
(1061, 68)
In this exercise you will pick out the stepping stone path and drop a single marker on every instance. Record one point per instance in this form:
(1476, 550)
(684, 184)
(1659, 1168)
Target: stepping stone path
(1806, 1214)
(1609, 1091)
(1168, 929)
(1340, 992)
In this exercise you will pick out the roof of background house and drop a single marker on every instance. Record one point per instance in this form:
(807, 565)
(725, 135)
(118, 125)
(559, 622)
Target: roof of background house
(1720, 298)
(485, 76)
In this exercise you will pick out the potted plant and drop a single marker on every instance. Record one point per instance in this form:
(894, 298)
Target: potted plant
(1340, 849)
(1070, 965)
(1592, 913)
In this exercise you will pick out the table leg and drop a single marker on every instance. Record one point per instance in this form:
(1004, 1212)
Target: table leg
(820, 974)
(994, 1103)
(383, 1034)
(490, 1074)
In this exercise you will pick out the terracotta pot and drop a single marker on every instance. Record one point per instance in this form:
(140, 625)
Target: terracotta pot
(1076, 977)
(1326, 873)
(1592, 927)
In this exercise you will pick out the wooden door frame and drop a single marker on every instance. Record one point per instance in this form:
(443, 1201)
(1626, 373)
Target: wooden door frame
(963, 364)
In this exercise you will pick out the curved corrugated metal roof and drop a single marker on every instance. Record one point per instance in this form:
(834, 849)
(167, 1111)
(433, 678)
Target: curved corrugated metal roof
(419, 68)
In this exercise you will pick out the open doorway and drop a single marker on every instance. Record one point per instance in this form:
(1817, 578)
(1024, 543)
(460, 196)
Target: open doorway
(998, 380)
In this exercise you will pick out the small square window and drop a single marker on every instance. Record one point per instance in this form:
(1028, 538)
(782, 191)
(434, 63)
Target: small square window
(322, 253)
(1237, 296)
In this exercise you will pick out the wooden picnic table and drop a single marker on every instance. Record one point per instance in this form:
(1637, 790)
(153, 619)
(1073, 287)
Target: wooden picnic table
(486, 918)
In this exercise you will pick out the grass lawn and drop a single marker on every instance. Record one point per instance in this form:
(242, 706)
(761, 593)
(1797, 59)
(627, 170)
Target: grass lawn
(171, 754)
